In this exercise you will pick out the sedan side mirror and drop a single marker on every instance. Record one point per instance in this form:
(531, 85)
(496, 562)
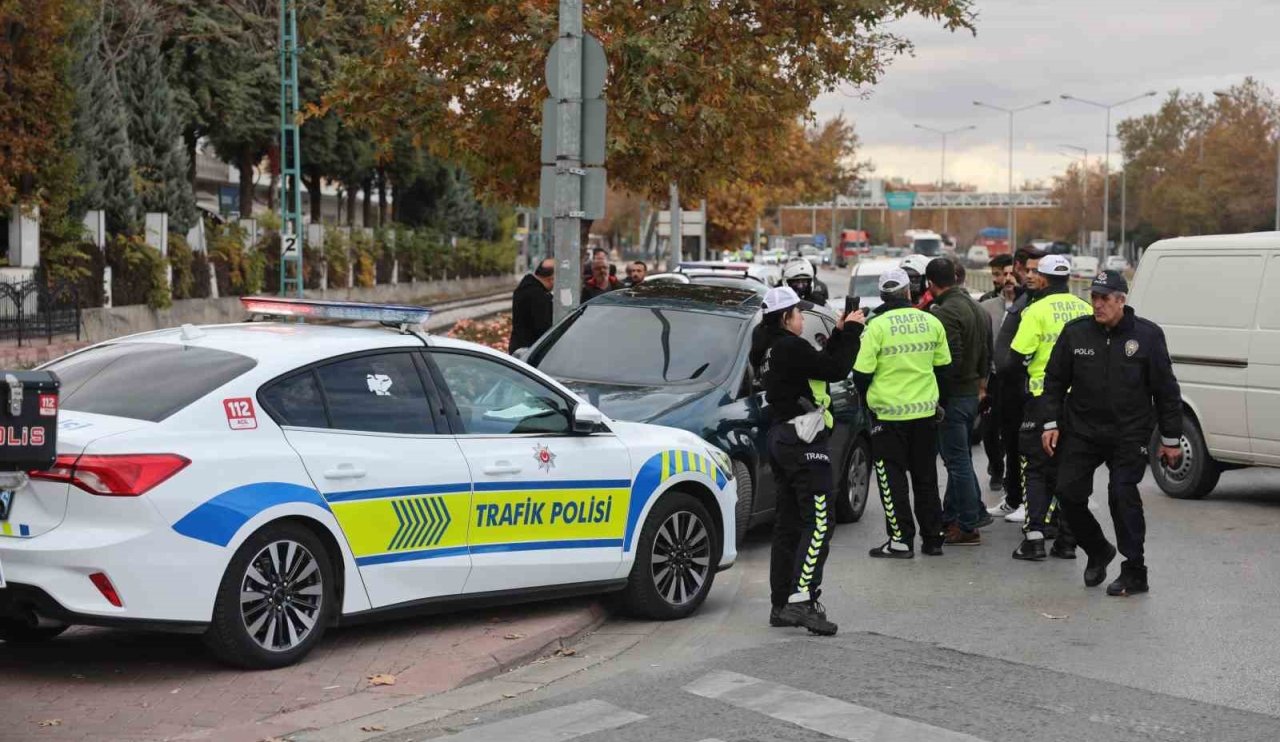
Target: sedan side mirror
(586, 419)
(522, 354)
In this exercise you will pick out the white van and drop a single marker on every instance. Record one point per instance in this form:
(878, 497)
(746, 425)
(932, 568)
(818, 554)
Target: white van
(1084, 266)
(864, 280)
(1218, 300)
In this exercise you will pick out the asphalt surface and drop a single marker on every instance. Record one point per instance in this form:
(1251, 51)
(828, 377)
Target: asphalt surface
(972, 643)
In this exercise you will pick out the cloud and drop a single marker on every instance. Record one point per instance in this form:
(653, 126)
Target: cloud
(1028, 50)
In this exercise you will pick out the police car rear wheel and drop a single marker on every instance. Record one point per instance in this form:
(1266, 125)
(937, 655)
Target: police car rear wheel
(675, 562)
(1196, 475)
(746, 500)
(275, 600)
(856, 483)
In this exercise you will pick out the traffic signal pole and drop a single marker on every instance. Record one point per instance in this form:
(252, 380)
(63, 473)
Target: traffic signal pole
(568, 179)
(291, 227)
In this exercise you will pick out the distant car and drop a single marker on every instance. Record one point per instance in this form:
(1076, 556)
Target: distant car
(768, 275)
(1084, 266)
(864, 280)
(678, 354)
(978, 256)
(1117, 263)
(773, 257)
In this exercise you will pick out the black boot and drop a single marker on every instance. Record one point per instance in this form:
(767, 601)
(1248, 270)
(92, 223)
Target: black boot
(1130, 582)
(1030, 550)
(775, 617)
(884, 552)
(809, 614)
(1096, 570)
(1062, 549)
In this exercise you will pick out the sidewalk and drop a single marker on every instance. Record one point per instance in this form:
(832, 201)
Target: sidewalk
(99, 684)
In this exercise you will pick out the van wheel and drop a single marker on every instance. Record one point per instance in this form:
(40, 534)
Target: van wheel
(746, 500)
(676, 557)
(855, 484)
(1196, 475)
(275, 601)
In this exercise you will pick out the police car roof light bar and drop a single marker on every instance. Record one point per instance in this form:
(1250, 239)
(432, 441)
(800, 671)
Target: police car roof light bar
(394, 315)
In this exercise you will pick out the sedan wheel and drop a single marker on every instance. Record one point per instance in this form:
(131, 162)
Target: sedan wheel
(676, 557)
(852, 502)
(275, 599)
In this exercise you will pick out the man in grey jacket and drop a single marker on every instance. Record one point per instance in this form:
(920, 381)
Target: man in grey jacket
(996, 303)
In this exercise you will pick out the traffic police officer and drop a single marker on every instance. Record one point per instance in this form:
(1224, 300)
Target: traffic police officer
(795, 381)
(1052, 308)
(1107, 379)
(903, 348)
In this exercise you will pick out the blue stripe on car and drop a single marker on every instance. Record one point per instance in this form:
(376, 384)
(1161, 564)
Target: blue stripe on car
(218, 520)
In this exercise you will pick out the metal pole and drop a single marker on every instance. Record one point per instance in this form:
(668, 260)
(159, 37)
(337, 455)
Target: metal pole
(834, 246)
(1013, 226)
(1278, 184)
(813, 220)
(675, 247)
(942, 185)
(568, 198)
(702, 239)
(1106, 192)
(1124, 172)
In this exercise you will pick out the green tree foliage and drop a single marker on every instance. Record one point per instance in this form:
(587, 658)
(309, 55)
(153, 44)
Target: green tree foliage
(155, 128)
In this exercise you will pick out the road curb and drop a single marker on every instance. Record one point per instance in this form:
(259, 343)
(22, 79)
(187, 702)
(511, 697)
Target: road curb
(418, 683)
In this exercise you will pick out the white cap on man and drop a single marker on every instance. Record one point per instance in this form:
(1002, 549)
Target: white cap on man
(1054, 265)
(894, 279)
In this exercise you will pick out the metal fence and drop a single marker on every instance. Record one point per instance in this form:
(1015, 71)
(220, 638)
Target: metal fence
(35, 308)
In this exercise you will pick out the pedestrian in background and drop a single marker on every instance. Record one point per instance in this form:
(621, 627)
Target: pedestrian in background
(902, 350)
(1012, 388)
(962, 385)
(636, 273)
(1109, 382)
(601, 281)
(1054, 306)
(796, 378)
(531, 307)
(996, 303)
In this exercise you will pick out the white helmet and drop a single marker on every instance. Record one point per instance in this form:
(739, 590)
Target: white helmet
(796, 269)
(915, 263)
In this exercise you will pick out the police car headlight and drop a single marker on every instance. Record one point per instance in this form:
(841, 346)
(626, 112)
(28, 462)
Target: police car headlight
(722, 461)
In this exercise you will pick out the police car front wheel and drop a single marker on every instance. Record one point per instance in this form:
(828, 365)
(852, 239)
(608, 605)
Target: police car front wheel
(676, 558)
(275, 600)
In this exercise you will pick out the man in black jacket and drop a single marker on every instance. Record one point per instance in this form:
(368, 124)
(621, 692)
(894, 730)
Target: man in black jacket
(1108, 379)
(796, 378)
(531, 306)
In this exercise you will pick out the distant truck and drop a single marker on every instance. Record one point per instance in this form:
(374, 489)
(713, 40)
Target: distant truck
(854, 243)
(924, 242)
(995, 240)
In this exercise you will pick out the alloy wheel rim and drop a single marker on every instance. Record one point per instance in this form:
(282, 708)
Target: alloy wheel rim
(281, 595)
(681, 558)
(859, 478)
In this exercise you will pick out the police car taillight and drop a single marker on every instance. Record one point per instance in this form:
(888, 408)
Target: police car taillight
(114, 475)
(347, 311)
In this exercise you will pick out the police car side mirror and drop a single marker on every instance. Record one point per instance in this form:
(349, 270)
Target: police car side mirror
(586, 419)
(522, 354)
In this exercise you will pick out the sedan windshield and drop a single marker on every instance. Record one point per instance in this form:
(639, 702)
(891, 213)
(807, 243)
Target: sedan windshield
(865, 286)
(643, 346)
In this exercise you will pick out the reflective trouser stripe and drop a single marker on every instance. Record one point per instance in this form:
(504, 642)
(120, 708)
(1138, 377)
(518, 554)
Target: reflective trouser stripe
(886, 497)
(815, 543)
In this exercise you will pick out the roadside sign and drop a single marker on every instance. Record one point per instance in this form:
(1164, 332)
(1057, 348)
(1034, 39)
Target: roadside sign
(691, 223)
(594, 68)
(900, 200)
(593, 183)
(593, 119)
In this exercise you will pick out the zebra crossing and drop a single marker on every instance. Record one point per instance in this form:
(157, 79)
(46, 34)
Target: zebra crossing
(831, 717)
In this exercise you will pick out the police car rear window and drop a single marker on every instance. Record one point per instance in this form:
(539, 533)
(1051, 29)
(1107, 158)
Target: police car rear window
(144, 381)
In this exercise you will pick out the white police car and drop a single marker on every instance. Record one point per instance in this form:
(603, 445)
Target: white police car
(259, 482)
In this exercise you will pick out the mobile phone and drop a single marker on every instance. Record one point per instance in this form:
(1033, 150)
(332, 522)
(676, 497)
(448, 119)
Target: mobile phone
(851, 304)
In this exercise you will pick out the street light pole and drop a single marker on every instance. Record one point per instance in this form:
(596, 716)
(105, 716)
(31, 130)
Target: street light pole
(942, 178)
(1106, 167)
(1013, 225)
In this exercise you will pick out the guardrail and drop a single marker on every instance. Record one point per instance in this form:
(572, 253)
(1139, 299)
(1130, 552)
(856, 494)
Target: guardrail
(35, 307)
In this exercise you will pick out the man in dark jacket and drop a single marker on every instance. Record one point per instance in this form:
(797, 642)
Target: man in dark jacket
(1108, 380)
(601, 280)
(531, 306)
(962, 386)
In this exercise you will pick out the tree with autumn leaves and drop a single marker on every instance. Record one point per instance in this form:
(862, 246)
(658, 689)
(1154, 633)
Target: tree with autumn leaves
(699, 92)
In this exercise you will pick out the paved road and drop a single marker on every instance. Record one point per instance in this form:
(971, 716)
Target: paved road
(972, 643)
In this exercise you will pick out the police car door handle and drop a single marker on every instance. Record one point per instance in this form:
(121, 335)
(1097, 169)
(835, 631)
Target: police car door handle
(345, 471)
(502, 467)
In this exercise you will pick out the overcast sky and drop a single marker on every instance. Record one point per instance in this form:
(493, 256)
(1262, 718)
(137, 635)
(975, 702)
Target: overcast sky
(1030, 50)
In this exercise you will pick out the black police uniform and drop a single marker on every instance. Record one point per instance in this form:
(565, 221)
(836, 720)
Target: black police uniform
(802, 471)
(1104, 388)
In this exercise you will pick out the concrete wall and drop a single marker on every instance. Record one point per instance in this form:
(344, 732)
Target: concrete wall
(106, 323)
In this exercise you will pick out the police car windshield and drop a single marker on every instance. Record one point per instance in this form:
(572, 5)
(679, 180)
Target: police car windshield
(143, 381)
(643, 346)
